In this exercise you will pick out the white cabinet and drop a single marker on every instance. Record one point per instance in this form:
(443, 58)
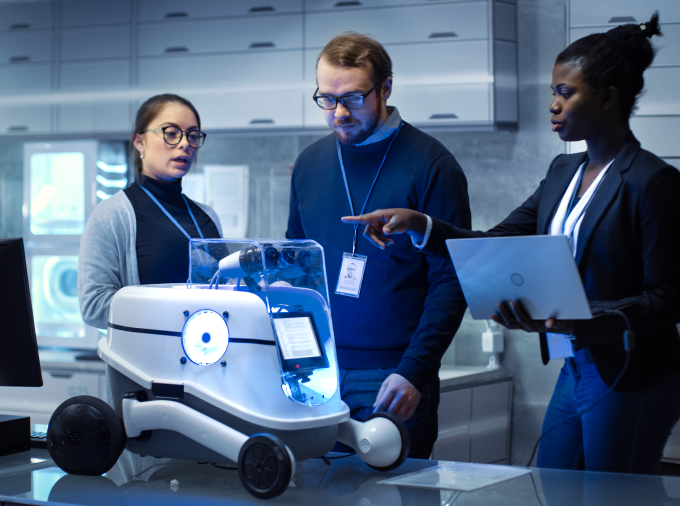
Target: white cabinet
(474, 423)
(102, 76)
(345, 5)
(422, 23)
(619, 12)
(25, 119)
(104, 115)
(434, 105)
(76, 13)
(164, 10)
(25, 79)
(16, 16)
(94, 116)
(657, 119)
(668, 46)
(268, 71)
(222, 35)
(25, 47)
(658, 134)
(58, 385)
(242, 110)
(95, 43)
(454, 418)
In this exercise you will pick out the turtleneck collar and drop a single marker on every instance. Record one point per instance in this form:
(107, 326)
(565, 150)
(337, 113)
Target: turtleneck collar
(386, 129)
(161, 189)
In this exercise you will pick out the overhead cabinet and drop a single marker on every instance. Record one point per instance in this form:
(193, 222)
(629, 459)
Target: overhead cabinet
(19, 16)
(222, 35)
(657, 119)
(252, 64)
(169, 10)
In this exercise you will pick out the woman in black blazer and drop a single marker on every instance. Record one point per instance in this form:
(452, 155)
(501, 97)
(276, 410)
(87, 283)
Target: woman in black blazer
(624, 227)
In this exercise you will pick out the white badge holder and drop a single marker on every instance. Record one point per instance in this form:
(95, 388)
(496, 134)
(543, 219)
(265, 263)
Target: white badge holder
(351, 274)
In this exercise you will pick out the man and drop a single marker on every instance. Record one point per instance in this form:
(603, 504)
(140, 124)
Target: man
(396, 318)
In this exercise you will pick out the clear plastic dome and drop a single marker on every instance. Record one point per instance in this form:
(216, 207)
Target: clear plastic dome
(290, 278)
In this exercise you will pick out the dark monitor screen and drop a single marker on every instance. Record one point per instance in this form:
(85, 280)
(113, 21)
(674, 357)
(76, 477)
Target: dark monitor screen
(19, 361)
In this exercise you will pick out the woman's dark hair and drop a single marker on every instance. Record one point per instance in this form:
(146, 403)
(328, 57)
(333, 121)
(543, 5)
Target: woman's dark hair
(146, 114)
(616, 58)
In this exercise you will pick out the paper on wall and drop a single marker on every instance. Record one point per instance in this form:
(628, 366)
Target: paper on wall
(227, 192)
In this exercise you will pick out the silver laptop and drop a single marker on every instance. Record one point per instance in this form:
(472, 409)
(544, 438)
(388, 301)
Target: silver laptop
(539, 271)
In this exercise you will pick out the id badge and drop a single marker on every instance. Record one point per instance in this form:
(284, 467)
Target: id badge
(351, 274)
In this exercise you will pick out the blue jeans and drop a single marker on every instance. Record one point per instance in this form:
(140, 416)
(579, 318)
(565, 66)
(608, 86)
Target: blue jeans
(359, 388)
(624, 433)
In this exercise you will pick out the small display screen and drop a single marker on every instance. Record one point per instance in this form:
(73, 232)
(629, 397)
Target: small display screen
(297, 338)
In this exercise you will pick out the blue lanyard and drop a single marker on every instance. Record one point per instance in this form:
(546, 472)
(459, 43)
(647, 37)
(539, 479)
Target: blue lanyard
(344, 177)
(160, 206)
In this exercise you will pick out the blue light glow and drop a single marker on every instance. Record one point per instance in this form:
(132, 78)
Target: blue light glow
(205, 337)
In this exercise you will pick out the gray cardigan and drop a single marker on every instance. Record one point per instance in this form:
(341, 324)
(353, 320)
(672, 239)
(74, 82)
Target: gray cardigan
(108, 256)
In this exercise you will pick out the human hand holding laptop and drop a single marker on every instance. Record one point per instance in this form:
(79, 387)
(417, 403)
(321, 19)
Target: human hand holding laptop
(512, 316)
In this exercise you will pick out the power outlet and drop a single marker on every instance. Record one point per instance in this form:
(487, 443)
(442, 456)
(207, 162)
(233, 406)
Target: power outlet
(492, 339)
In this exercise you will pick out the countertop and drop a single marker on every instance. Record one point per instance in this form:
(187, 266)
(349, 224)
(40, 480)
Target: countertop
(136, 481)
(450, 376)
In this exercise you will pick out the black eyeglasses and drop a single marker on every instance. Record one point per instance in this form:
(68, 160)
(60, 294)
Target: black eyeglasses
(173, 135)
(351, 101)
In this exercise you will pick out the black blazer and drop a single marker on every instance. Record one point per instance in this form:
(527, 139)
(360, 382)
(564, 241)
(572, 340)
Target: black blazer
(628, 250)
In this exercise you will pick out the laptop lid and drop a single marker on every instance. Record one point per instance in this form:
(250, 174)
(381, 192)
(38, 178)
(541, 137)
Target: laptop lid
(539, 271)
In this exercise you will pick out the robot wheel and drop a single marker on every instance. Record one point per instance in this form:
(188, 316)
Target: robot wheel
(405, 440)
(85, 436)
(264, 466)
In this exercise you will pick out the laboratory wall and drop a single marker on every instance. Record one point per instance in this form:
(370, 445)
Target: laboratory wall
(502, 167)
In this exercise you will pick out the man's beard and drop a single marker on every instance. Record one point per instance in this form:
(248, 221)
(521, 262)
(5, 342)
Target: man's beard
(361, 135)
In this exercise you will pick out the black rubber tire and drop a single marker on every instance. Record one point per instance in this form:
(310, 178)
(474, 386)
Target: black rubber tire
(264, 466)
(85, 436)
(405, 440)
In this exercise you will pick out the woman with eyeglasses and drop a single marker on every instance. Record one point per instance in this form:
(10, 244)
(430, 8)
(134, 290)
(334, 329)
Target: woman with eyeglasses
(140, 235)
(619, 207)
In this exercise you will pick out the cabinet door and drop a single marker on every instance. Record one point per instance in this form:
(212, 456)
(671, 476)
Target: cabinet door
(249, 110)
(100, 76)
(57, 387)
(619, 12)
(658, 134)
(163, 10)
(426, 64)
(94, 12)
(101, 116)
(22, 79)
(25, 16)
(423, 23)
(349, 5)
(490, 422)
(222, 35)
(270, 70)
(26, 47)
(454, 415)
(661, 96)
(95, 43)
(668, 45)
(25, 119)
(445, 104)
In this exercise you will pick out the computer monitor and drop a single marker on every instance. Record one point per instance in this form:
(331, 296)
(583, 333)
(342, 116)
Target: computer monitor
(19, 361)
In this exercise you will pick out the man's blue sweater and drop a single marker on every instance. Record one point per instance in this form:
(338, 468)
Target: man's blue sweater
(411, 305)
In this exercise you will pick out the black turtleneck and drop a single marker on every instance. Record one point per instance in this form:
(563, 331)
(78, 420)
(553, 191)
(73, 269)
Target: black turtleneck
(162, 249)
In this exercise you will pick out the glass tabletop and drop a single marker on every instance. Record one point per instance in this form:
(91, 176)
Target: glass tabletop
(31, 478)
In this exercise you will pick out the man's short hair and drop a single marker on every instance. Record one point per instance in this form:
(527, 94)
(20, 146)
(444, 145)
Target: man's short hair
(351, 49)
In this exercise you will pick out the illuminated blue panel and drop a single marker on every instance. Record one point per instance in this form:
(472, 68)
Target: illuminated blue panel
(205, 337)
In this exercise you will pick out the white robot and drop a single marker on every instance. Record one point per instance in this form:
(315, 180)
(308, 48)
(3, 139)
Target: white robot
(238, 367)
